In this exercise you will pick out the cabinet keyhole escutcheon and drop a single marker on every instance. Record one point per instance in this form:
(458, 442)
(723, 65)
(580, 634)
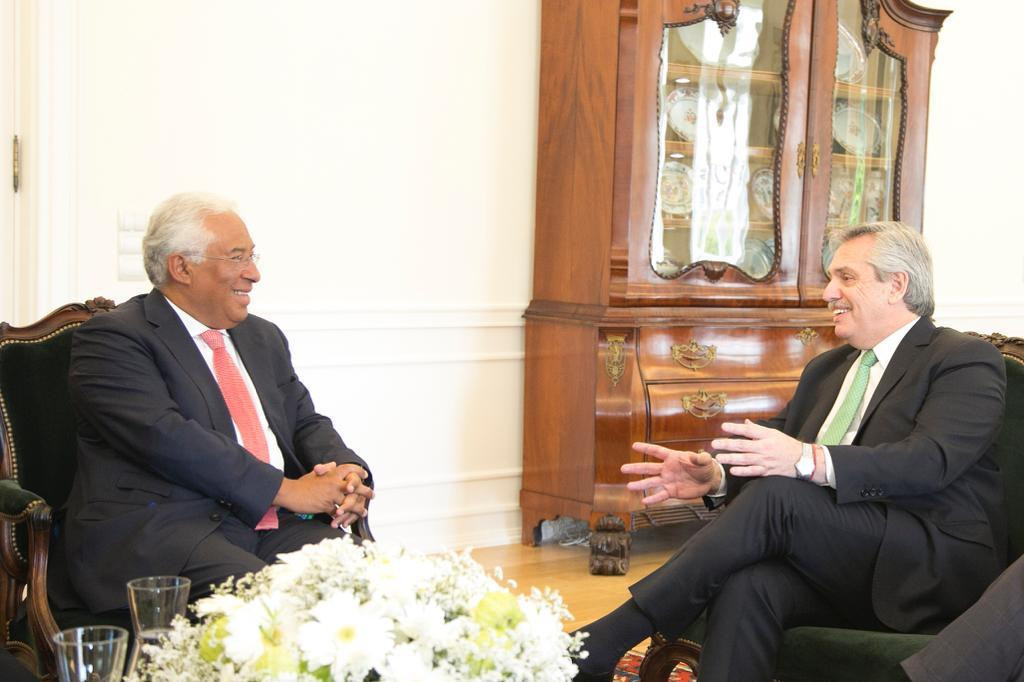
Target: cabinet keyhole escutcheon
(615, 357)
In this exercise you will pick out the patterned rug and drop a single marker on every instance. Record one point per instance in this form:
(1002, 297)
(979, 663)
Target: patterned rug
(629, 668)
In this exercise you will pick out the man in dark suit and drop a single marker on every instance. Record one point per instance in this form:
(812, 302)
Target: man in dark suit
(872, 500)
(985, 643)
(199, 450)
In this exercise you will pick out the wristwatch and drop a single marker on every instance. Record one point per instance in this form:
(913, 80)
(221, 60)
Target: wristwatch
(805, 465)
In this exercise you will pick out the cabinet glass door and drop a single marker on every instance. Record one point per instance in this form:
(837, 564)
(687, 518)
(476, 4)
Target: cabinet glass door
(719, 104)
(867, 107)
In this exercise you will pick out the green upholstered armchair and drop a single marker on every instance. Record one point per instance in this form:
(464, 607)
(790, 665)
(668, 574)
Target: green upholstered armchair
(817, 654)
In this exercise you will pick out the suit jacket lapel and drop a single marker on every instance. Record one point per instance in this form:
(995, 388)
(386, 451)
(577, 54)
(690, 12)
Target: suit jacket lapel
(826, 393)
(251, 348)
(168, 327)
(919, 335)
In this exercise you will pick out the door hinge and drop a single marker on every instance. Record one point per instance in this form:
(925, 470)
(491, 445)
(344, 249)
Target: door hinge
(16, 163)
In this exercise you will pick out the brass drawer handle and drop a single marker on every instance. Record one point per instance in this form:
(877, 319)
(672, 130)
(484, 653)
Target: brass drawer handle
(615, 357)
(806, 335)
(694, 355)
(704, 405)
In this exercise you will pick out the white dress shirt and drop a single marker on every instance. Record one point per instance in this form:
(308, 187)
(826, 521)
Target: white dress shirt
(195, 328)
(884, 350)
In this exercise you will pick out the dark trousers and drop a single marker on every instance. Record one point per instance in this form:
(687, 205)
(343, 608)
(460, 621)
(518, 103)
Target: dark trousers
(235, 549)
(11, 670)
(783, 553)
(985, 643)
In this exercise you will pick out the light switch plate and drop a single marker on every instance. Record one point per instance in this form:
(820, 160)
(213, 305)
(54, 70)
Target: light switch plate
(131, 227)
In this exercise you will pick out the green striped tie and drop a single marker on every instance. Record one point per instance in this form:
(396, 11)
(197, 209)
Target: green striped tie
(841, 423)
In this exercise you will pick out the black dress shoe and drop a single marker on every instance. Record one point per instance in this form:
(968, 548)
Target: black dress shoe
(594, 677)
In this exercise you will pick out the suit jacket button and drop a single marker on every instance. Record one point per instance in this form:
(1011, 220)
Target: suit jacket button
(215, 516)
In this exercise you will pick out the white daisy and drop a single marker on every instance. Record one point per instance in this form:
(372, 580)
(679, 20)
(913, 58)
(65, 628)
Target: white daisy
(251, 626)
(348, 636)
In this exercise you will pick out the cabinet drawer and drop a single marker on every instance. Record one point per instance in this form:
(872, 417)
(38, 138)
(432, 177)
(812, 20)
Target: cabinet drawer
(757, 353)
(696, 410)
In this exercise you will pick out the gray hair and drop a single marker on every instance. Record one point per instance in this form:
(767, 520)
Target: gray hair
(176, 226)
(898, 248)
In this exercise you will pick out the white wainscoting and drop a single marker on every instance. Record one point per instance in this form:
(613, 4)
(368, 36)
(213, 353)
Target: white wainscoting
(431, 397)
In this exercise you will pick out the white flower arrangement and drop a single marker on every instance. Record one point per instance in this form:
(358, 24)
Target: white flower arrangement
(341, 612)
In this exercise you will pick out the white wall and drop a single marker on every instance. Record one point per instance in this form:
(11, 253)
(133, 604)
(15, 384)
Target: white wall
(974, 190)
(7, 52)
(383, 155)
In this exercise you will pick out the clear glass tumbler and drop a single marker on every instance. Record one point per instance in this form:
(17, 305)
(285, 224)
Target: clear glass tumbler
(94, 653)
(154, 602)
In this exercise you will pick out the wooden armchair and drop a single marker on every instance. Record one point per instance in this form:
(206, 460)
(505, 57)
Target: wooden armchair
(37, 467)
(818, 654)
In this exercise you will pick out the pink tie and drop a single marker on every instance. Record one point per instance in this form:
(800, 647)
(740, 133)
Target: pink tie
(243, 412)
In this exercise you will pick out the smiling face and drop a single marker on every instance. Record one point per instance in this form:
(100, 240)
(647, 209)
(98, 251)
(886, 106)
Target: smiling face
(214, 291)
(864, 309)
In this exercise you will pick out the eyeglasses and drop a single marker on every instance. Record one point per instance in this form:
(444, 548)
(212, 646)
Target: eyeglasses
(240, 261)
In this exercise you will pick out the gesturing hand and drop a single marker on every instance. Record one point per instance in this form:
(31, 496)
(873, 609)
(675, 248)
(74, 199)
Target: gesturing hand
(679, 474)
(761, 452)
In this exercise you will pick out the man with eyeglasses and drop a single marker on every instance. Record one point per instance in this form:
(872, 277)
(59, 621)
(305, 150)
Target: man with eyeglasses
(199, 450)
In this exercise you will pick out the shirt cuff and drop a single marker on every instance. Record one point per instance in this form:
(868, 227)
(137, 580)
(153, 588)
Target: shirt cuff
(723, 487)
(830, 472)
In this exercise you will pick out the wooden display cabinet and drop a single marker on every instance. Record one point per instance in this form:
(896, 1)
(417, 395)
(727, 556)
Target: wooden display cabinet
(691, 157)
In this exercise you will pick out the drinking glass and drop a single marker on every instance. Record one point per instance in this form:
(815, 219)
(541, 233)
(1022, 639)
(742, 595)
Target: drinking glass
(154, 602)
(94, 653)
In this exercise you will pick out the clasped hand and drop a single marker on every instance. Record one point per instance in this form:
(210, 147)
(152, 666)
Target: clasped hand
(760, 451)
(336, 489)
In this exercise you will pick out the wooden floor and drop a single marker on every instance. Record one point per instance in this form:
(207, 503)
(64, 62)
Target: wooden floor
(566, 569)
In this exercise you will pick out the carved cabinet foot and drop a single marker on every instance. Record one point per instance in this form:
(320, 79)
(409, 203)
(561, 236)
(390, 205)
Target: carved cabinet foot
(609, 547)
